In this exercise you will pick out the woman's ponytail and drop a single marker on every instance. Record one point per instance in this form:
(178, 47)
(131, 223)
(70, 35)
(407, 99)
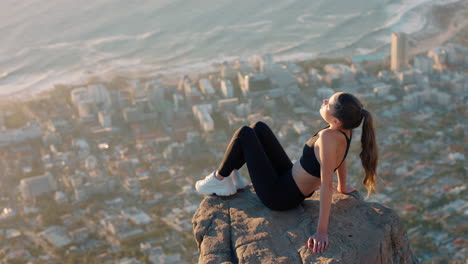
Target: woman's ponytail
(369, 155)
(351, 113)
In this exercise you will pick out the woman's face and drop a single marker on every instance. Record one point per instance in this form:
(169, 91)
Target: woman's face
(328, 108)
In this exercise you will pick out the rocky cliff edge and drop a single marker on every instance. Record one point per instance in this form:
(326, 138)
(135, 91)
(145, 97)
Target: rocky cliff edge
(240, 229)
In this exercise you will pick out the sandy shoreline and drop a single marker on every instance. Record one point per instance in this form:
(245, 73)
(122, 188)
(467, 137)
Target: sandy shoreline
(430, 36)
(457, 22)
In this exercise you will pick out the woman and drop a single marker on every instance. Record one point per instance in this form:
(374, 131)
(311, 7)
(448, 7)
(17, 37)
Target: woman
(282, 185)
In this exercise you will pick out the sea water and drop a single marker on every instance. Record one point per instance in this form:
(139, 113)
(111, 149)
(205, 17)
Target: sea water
(62, 41)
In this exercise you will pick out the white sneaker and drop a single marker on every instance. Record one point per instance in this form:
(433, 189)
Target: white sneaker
(211, 185)
(238, 180)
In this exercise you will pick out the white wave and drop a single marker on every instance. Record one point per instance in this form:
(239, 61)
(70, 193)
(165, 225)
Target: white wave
(301, 19)
(248, 27)
(60, 45)
(264, 28)
(397, 11)
(147, 35)
(362, 51)
(11, 71)
(312, 36)
(445, 2)
(288, 47)
(115, 38)
(327, 21)
(343, 16)
(213, 31)
(343, 44)
(415, 23)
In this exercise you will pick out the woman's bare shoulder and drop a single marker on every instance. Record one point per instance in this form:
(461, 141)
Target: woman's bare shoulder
(330, 137)
(329, 133)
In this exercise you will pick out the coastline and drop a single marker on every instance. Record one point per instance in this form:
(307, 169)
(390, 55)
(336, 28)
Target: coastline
(442, 23)
(432, 34)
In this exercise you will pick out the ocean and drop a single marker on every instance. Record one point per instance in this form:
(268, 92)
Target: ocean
(67, 41)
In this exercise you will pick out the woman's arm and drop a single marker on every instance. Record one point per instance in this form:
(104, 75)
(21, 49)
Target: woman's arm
(327, 155)
(342, 170)
(343, 187)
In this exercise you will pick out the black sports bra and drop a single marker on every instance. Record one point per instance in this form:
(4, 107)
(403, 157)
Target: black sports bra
(308, 160)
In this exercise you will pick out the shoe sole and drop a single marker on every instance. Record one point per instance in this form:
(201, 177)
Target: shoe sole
(219, 193)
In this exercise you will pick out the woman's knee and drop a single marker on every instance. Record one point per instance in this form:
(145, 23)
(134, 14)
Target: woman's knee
(244, 131)
(259, 126)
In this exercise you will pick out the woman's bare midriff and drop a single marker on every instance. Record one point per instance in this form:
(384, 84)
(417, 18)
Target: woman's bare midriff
(306, 182)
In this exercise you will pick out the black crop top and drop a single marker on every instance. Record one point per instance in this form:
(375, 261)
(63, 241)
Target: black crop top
(308, 160)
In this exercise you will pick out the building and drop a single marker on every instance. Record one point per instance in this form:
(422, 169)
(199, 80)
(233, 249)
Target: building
(187, 87)
(226, 89)
(202, 113)
(426, 98)
(132, 114)
(190, 91)
(338, 75)
(155, 90)
(424, 63)
(400, 51)
(146, 132)
(79, 95)
(206, 88)
(132, 185)
(228, 104)
(243, 110)
(126, 96)
(299, 127)
(11, 136)
(407, 76)
(99, 95)
(80, 194)
(381, 89)
(253, 83)
(136, 216)
(56, 236)
(105, 119)
(85, 110)
(226, 71)
(281, 76)
(38, 185)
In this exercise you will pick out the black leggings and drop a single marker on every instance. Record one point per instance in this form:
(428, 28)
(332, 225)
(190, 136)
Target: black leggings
(268, 164)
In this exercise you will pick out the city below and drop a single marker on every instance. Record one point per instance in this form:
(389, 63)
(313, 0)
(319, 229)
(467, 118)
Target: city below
(105, 172)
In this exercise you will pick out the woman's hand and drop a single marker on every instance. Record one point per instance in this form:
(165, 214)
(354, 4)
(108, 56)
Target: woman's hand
(318, 242)
(346, 190)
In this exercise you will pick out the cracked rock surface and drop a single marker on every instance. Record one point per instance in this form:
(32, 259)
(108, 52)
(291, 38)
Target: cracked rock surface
(240, 229)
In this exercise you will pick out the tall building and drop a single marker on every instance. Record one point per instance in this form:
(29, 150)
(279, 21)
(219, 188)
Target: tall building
(226, 89)
(400, 50)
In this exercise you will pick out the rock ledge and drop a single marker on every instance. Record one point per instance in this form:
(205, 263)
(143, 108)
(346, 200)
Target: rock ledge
(240, 229)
